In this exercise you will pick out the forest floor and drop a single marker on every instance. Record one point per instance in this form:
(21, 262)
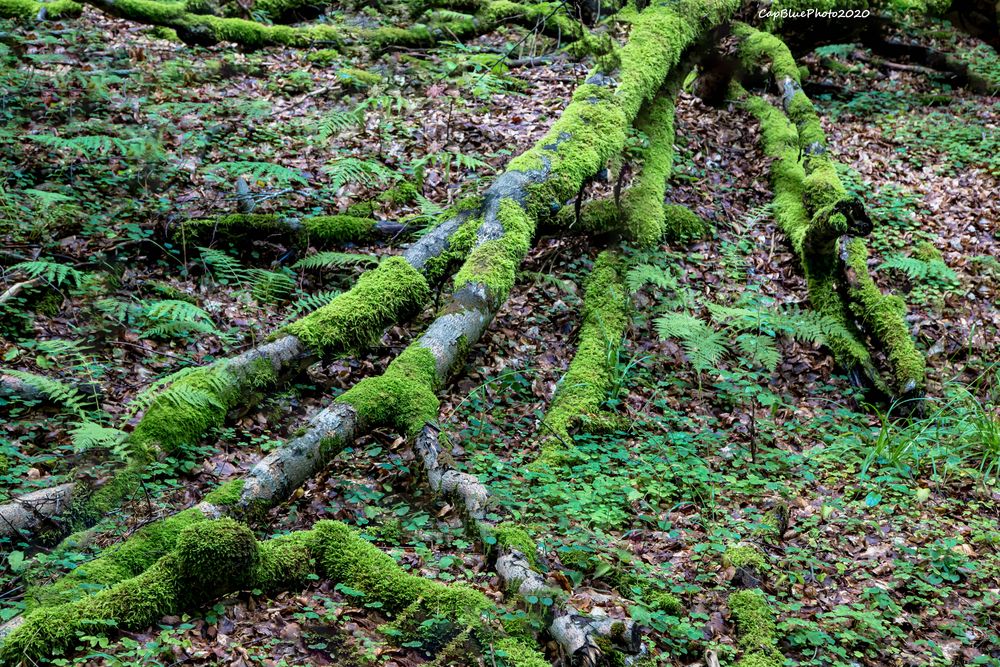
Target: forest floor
(892, 553)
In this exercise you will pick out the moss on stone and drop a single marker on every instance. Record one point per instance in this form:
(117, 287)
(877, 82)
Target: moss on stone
(745, 556)
(356, 319)
(683, 224)
(585, 386)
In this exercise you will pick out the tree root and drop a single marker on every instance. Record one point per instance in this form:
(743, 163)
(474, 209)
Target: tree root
(815, 212)
(214, 558)
(586, 384)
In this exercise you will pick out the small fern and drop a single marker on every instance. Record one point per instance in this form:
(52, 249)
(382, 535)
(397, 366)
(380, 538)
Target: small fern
(170, 317)
(703, 345)
(310, 303)
(259, 171)
(335, 122)
(225, 268)
(51, 272)
(271, 286)
(64, 395)
(649, 274)
(920, 270)
(358, 171)
(89, 435)
(323, 260)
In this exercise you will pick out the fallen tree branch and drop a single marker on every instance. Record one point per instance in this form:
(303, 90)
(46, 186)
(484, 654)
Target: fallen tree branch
(200, 399)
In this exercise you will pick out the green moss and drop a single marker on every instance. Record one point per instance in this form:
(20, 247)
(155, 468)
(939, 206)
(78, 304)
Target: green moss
(358, 78)
(780, 141)
(356, 319)
(683, 224)
(347, 558)
(511, 536)
(403, 396)
(217, 556)
(117, 563)
(323, 57)
(212, 558)
(585, 386)
(495, 262)
(758, 47)
(227, 494)
(755, 627)
(745, 556)
(28, 9)
(884, 317)
(926, 251)
(596, 216)
(460, 244)
(181, 414)
(644, 215)
(337, 228)
(517, 653)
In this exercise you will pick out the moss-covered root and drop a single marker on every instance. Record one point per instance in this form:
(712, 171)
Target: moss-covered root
(838, 280)
(756, 631)
(883, 317)
(213, 558)
(587, 381)
(30, 10)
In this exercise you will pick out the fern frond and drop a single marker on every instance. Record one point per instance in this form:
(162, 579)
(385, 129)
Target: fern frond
(51, 272)
(758, 350)
(358, 171)
(271, 286)
(703, 345)
(64, 395)
(310, 303)
(224, 266)
(259, 171)
(649, 274)
(336, 122)
(89, 435)
(919, 269)
(322, 260)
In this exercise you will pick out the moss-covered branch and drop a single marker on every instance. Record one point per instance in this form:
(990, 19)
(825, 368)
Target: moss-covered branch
(820, 219)
(641, 216)
(214, 558)
(183, 410)
(314, 230)
(585, 386)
